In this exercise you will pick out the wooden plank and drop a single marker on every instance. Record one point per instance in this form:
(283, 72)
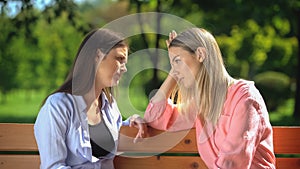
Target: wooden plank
(19, 161)
(286, 140)
(20, 137)
(17, 137)
(284, 163)
(158, 141)
(160, 162)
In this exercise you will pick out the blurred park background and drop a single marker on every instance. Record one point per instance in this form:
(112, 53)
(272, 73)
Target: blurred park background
(39, 40)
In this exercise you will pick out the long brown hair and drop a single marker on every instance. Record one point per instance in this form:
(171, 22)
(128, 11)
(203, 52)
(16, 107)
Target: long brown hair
(82, 74)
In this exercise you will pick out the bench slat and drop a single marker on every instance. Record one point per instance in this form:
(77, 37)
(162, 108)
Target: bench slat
(161, 162)
(284, 163)
(19, 161)
(17, 137)
(158, 141)
(286, 140)
(32, 162)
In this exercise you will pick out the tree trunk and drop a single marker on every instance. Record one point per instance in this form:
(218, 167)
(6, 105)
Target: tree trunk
(297, 97)
(155, 57)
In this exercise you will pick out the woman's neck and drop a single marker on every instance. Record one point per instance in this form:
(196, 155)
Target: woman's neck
(93, 109)
(93, 98)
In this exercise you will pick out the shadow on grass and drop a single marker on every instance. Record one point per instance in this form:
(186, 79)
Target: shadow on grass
(12, 119)
(285, 121)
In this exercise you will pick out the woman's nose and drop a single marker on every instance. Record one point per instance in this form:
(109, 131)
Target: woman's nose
(174, 72)
(123, 68)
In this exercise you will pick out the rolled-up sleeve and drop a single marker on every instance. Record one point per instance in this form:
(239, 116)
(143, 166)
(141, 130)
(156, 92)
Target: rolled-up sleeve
(164, 115)
(50, 131)
(239, 146)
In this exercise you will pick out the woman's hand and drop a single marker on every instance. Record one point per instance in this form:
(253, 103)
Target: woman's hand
(172, 35)
(167, 87)
(139, 123)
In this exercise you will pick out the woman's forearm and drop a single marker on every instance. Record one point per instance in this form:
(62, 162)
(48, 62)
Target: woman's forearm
(165, 89)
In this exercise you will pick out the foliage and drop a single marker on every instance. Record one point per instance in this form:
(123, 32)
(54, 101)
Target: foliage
(283, 116)
(271, 85)
(55, 54)
(251, 49)
(38, 45)
(8, 63)
(254, 36)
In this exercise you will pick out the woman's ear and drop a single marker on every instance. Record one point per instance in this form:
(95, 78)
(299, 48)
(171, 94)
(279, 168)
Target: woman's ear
(98, 55)
(200, 54)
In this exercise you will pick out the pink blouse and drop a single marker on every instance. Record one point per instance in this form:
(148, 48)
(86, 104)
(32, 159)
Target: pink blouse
(242, 137)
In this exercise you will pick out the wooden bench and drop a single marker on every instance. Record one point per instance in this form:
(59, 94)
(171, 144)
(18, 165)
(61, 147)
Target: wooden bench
(18, 149)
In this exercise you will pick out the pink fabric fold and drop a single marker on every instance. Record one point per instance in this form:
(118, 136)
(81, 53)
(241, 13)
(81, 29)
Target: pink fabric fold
(242, 137)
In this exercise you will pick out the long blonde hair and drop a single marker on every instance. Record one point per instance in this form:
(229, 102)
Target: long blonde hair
(211, 80)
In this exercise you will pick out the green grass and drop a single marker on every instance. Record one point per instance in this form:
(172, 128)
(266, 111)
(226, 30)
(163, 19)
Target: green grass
(22, 106)
(283, 116)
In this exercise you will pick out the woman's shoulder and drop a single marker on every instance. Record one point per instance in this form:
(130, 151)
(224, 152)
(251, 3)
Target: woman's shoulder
(241, 87)
(59, 97)
(61, 100)
(242, 90)
(67, 101)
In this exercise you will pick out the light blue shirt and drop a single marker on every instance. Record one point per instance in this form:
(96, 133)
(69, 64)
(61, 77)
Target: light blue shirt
(62, 135)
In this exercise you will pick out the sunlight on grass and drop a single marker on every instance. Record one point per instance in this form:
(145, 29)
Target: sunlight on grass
(283, 116)
(23, 106)
(20, 106)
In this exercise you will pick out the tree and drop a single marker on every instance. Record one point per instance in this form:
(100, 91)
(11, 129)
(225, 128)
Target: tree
(11, 28)
(150, 40)
(49, 48)
(8, 63)
(297, 95)
(55, 54)
(255, 36)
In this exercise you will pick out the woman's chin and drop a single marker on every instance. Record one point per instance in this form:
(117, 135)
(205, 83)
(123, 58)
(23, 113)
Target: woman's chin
(115, 83)
(187, 85)
(183, 85)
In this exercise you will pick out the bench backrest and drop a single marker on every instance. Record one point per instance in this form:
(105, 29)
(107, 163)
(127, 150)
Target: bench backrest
(18, 148)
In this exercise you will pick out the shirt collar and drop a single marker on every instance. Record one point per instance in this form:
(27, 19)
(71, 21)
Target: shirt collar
(79, 101)
(104, 100)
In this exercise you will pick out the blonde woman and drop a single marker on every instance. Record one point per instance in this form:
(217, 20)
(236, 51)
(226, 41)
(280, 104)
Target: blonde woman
(230, 116)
